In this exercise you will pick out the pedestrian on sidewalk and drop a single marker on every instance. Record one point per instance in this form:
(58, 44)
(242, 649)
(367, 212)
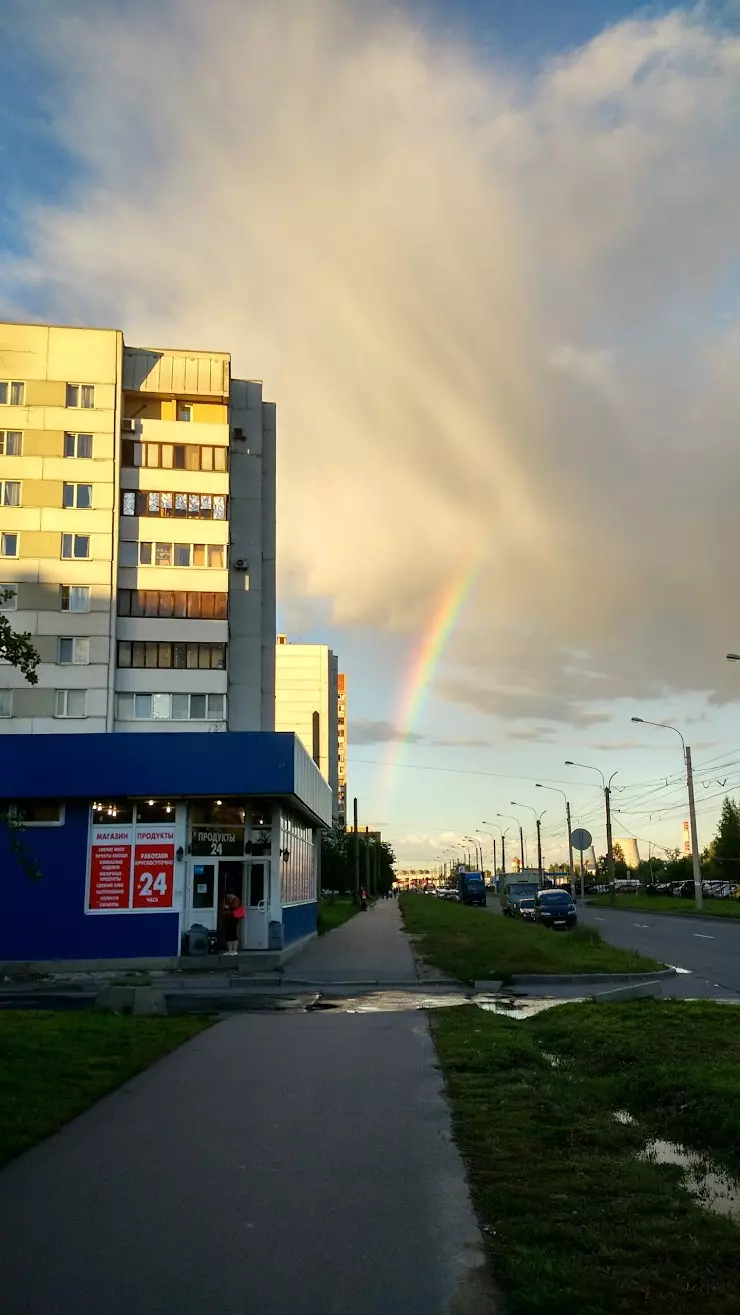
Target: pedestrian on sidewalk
(363, 899)
(233, 913)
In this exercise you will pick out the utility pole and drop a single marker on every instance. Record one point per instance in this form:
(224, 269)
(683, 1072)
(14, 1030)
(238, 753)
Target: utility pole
(356, 856)
(698, 894)
(571, 868)
(368, 882)
(377, 863)
(609, 846)
(539, 850)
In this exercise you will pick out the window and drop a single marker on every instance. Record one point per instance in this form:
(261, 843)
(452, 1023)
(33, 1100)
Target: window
(128, 553)
(74, 598)
(8, 545)
(163, 554)
(6, 703)
(8, 597)
(77, 495)
(75, 545)
(170, 707)
(182, 554)
(10, 492)
(169, 603)
(82, 395)
(70, 703)
(74, 652)
(39, 812)
(78, 445)
(151, 653)
(170, 456)
(11, 393)
(184, 411)
(147, 553)
(11, 443)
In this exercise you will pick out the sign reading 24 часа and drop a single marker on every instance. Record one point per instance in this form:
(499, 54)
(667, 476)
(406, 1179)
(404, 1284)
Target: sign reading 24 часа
(131, 867)
(217, 841)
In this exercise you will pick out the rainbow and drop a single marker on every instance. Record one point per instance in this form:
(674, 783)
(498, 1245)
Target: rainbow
(423, 662)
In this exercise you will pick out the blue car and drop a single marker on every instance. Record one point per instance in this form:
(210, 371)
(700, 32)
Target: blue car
(555, 908)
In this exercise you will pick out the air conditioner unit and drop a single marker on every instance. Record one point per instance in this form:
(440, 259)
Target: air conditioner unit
(241, 564)
(237, 433)
(128, 426)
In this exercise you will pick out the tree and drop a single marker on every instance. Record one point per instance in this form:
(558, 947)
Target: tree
(17, 648)
(726, 844)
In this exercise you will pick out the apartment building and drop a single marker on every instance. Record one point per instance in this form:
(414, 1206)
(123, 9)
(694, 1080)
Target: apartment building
(342, 749)
(307, 703)
(137, 535)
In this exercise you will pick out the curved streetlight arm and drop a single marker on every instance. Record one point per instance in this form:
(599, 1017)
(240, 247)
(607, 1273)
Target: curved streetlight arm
(539, 816)
(588, 768)
(663, 726)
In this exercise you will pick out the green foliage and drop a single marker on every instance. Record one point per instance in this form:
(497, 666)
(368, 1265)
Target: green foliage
(17, 648)
(337, 861)
(725, 848)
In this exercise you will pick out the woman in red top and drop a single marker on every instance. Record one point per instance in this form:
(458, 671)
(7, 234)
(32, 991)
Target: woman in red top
(233, 913)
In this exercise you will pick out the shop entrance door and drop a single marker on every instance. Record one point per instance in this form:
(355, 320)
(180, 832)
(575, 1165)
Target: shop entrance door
(230, 882)
(256, 929)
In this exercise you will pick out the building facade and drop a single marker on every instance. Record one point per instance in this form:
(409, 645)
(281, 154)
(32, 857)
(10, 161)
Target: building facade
(137, 535)
(307, 703)
(136, 841)
(342, 749)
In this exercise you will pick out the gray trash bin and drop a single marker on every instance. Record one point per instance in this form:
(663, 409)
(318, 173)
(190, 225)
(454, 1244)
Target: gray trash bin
(275, 935)
(197, 939)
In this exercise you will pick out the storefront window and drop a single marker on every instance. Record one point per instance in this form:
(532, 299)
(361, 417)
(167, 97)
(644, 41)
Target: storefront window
(155, 810)
(112, 810)
(297, 869)
(230, 812)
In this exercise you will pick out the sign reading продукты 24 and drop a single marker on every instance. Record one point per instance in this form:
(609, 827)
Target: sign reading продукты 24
(217, 841)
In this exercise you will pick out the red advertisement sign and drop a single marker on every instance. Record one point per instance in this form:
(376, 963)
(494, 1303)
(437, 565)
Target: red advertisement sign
(110, 868)
(154, 867)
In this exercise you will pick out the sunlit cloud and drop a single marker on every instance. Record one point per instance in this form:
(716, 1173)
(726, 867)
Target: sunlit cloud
(487, 304)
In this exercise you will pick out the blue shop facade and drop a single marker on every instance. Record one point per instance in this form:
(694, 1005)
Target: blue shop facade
(113, 847)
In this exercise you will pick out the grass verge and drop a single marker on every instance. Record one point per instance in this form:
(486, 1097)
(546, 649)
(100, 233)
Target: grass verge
(573, 1221)
(472, 944)
(716, 908)
(53, 1066)
(334, 914)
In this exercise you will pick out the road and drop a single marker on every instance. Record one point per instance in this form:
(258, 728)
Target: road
(707, 949)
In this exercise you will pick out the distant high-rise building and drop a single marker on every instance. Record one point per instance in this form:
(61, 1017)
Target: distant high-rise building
(342, 749)
(307, 703)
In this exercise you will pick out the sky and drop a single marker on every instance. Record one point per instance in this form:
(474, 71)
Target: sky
(485, 258)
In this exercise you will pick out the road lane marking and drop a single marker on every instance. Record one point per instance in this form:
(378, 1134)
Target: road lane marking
(701, 937)
(599, 919)
(685, 971)
(644, 926)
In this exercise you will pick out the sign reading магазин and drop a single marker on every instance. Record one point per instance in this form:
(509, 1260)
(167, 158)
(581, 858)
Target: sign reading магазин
(217, 841)
(131, 867)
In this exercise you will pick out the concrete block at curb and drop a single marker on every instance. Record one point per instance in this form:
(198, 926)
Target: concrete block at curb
(115, 999)
(635, 992)
(491, 987)
(587, 979)
(149, 1002)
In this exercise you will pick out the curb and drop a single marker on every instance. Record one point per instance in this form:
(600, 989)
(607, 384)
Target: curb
(638, 991)
(587, 979)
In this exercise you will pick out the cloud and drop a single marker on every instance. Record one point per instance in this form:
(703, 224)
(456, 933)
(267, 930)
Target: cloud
(366, 731)
(491, 306)
(537, 734)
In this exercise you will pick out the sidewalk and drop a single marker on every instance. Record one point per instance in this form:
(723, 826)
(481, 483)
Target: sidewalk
(371, 947)
(278, 1163)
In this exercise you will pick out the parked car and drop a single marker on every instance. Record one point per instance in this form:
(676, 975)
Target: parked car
(525, 909)
(555, 908)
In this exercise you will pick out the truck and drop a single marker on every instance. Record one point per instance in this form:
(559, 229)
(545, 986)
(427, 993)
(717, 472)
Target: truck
(514, 887)
(471, 887)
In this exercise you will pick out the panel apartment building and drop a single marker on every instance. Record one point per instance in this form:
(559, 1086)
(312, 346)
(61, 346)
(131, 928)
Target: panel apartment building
(137, 535)
(307, 703)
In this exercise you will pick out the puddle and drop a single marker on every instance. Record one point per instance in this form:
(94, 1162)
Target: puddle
(712, 1189)
(523, 1008)
(623, 1116)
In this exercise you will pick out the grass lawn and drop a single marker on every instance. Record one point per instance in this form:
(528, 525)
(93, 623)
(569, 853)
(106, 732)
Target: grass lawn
(334, 914)
(573, 1221)
(713, 908)
(53, 1065)
(472, 944)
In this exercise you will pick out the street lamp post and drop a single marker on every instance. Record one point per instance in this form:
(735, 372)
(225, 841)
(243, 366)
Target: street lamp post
(504, 834)
(493, 842)
(538, 819)
(607, 787)
(521, 834)
(571, 867)
(698, 895)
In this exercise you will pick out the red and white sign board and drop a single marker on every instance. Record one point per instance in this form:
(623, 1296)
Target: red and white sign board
(110, 868)
(154, 867)
(131, 868)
